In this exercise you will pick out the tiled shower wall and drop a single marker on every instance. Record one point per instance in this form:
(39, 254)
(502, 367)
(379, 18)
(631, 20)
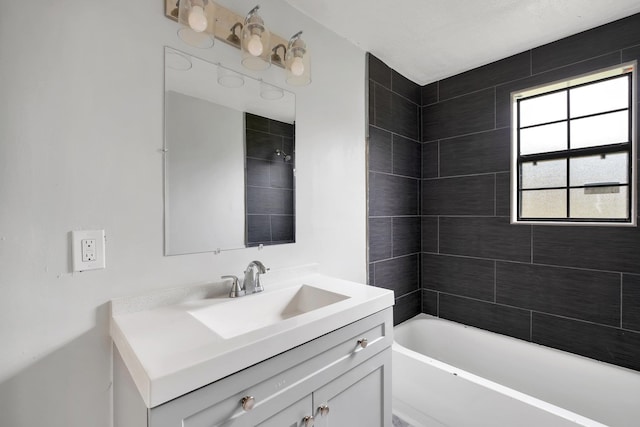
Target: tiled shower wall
(567, 287)
(394, 186)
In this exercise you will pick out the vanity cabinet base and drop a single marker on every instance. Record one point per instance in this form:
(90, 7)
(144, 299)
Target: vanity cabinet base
(339, 379)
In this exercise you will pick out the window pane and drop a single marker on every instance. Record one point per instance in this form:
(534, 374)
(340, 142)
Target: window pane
(542, 139)
(543, 204)
(609, 168)
(599, 97)
(543, 109)
(544, 174)
(606, 129)
(602, 202)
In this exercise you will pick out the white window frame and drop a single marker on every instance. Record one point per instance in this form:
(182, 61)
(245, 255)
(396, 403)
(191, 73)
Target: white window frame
(568, 83)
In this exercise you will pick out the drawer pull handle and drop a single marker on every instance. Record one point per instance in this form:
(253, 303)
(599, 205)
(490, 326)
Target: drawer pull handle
(324, 410)
(363, 342)
(248, 402)
(308, 421)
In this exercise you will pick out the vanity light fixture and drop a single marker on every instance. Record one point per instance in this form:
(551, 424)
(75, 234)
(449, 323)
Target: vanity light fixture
(198, 20)
(204, 20)
(233, 37)
(256, 40)
(275, 57)
(298, 61)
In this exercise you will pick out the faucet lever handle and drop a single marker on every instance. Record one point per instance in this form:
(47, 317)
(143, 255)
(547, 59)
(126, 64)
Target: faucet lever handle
(236, 289)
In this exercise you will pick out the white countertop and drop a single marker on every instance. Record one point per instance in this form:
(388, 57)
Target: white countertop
(169, 352)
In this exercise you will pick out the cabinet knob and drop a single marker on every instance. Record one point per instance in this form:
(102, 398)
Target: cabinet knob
(323, 409)
(363, 342)
(308, 421)
(248, 402)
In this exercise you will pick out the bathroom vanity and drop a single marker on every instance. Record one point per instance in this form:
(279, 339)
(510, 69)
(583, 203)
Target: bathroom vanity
(309, 350)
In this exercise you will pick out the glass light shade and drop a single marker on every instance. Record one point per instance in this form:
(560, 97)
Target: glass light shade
(255, 42)
(198, 20)
(298, 62)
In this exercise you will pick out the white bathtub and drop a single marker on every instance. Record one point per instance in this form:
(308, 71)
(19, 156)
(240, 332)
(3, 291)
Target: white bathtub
(448, 374)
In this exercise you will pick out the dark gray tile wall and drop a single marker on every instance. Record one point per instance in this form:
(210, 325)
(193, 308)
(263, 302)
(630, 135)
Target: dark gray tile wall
(571, 288)
(270, 205)
(481, 314)
(588, 44)
(407, 306)
(395, 163)
(631, 298)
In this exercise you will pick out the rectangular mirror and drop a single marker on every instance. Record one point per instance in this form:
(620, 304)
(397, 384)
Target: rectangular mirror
(229, 158)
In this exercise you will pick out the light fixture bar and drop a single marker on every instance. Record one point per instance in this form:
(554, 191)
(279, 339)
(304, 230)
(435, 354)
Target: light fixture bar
(226, 19)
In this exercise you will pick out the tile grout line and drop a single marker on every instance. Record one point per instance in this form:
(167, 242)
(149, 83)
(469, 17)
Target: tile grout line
(495, 107)
(531, 248)
(621, 296)
(438, 148)
(531, 325)
(438, 235)
(495, 281)
(391, 234)
(566, 267)
(462, 135)
(393, 145)
(472, 175)
(555, 315)
(495, 194)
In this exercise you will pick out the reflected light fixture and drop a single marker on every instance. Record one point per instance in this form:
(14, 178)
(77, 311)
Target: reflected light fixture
(270, 92)
(298, 61)
(198, 20)
(177, 61)
(229, 78)
(256, 42)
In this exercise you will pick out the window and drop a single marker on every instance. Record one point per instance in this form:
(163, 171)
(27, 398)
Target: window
(573, 150)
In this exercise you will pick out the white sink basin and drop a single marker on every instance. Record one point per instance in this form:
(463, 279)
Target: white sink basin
(237, 316)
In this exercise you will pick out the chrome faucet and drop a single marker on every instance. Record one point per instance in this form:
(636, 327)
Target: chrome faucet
(237, 290)
(251, 283)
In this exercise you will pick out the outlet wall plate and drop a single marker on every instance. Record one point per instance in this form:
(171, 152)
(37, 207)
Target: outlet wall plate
(88, 250)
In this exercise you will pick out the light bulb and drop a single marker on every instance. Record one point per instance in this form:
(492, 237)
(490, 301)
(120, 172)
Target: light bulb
(254, 46)
(297, 66)
(197, 19)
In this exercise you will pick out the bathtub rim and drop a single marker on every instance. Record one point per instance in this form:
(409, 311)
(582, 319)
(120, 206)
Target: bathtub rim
(492, 385)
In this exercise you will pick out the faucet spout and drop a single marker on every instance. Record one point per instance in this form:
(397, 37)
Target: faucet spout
(252, 277)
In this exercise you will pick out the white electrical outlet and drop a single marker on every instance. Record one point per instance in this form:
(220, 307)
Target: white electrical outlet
(88, 249)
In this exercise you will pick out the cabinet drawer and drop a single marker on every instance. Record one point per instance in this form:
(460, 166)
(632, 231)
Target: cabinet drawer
(278, 382)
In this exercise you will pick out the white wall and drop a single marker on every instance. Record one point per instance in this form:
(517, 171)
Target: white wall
(205, 157)
(81, 128)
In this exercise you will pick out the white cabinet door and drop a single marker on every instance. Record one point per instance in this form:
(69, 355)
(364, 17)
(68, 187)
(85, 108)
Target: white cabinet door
(360, 397)
(293, 416)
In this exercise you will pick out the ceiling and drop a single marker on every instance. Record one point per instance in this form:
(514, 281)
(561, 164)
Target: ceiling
(427, 40)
